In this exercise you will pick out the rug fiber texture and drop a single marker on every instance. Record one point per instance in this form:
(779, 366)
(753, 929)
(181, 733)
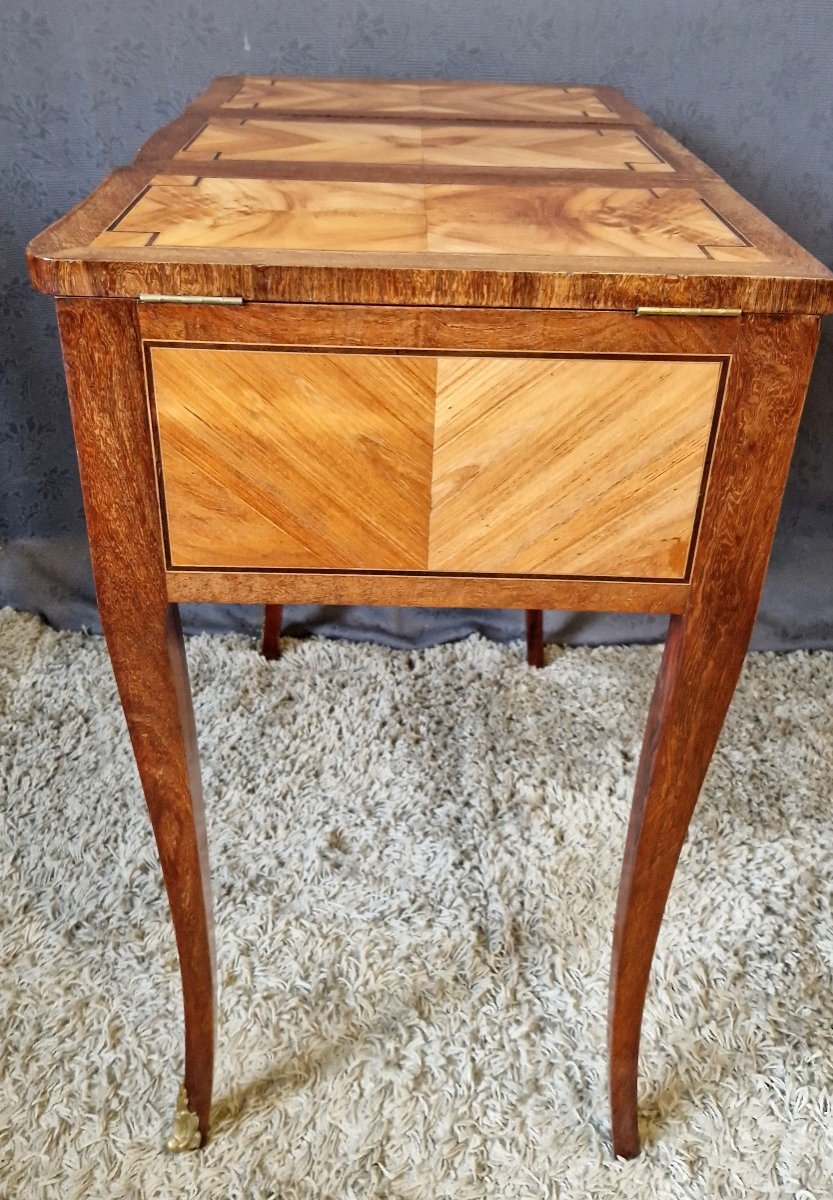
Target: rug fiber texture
(415, 857)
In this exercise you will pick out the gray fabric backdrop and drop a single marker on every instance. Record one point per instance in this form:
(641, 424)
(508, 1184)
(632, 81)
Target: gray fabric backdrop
(746, 84)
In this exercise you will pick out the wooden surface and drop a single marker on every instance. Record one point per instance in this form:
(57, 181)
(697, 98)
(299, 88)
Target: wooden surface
(453, 403)
(274, 459)
(452, 193)
(534, 466)
(703, 657)
(569, 466)
(103, 364)
(434, 98)
(547, 148)
(562, 463)
(423, 589)
(599, 222)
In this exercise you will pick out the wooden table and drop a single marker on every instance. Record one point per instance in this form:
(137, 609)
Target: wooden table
(428, 343)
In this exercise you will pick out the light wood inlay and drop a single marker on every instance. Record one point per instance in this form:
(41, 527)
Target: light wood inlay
(302, 460)
(307, 141)
(287, 214)
(569, 466)
(455, 218)
(541, 147)
(583, 148)
(539, 466)
(578, 222)
(503, 101)
(513, 101)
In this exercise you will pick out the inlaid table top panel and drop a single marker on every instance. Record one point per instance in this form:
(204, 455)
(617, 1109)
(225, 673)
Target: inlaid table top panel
(581, 147)
(451, 193)
(457, 218)
(499, 101)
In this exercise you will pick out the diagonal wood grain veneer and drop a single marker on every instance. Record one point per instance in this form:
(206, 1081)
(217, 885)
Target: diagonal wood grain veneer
(530, 466)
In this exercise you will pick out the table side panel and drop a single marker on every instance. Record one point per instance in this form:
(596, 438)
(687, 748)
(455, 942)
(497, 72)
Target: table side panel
(557, 461)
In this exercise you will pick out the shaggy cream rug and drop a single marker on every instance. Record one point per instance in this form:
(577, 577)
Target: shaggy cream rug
(415, 857)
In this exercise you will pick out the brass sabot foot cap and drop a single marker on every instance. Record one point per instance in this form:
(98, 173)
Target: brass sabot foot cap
(185, 1130)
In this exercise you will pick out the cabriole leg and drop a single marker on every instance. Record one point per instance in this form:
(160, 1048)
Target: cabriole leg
(102, 354)
(703, 657)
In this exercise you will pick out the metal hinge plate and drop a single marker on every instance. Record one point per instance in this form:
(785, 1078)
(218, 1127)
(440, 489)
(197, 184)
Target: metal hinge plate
(155, 298)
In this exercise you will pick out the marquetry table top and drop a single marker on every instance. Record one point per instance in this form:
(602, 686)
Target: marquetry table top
(424, 192)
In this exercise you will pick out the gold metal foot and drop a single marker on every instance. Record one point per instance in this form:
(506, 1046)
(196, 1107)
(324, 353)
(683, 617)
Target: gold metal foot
(185, 1130)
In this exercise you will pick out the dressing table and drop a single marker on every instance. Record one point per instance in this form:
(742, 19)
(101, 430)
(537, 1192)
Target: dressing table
(428, 343)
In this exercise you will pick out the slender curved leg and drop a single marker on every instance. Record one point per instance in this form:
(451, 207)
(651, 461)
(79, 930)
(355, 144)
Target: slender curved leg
(272, 621)
(667, 785)
(535, 637)
(703, 657)
(104, 373)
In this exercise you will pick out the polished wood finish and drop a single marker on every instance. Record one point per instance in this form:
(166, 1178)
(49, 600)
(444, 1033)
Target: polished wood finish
(103, 365)
(578, 147)
(295, 214)
(443, 464)
(272, 622)
(703, 656)
(294, 460)
(569, 466)
(438, 98)
(519, 196)
(513, 332)
(416, 375)
(63, 261)
(412, 327)
(423, 589)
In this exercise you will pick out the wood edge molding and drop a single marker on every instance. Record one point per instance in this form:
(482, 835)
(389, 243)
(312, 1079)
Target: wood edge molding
(447, 591)
(297, 280)
(429, 329)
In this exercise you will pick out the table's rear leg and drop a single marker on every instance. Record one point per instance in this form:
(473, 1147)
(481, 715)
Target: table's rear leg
(703, 657)
(272, 622)
(102, 355)
(535, 637)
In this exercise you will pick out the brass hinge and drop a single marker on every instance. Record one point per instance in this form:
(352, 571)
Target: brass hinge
(154, 298)
(649, 311)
